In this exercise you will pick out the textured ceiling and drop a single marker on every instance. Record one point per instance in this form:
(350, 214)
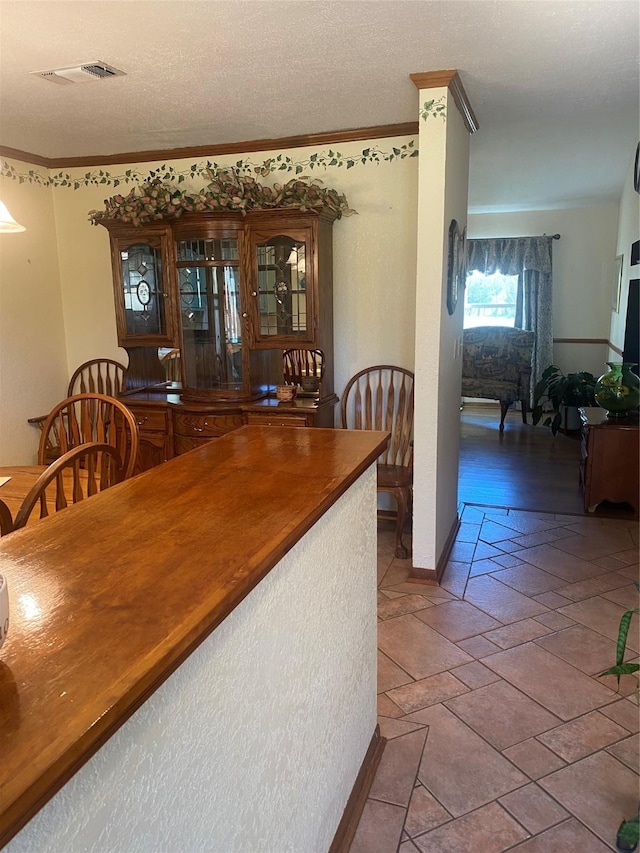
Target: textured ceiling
(553, 83)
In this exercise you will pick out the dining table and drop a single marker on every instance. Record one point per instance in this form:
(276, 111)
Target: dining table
(16, 482)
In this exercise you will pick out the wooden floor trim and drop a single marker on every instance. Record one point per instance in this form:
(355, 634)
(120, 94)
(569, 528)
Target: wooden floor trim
(417, 574)
(448, 547)
(358, 797)
(599, 341)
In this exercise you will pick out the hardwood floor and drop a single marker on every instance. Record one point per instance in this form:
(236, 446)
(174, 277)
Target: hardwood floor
(525, 467)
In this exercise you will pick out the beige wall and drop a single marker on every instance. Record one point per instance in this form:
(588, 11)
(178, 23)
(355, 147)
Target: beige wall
(85, 273)
(442, 194)
(374, 260)
(374, 280)
(628, 233)
(33, 364)
(583, 261)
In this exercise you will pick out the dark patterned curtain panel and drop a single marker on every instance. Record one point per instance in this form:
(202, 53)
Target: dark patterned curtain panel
(530, 259)
(510, 255)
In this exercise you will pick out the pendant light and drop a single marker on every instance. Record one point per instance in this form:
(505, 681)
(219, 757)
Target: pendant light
(8, 225)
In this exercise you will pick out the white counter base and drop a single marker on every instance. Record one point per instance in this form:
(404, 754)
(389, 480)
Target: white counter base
(254, 743)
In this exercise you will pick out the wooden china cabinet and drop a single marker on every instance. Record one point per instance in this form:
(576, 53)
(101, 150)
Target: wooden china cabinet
(231, 293)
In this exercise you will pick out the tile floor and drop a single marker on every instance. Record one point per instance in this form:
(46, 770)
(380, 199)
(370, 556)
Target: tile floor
(500, 735)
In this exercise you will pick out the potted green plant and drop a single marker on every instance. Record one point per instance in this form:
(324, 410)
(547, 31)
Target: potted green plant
(628, 833)
(556, 393)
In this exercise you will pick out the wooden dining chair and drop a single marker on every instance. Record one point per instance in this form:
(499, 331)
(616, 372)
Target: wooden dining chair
(6, 520)
(381, 398)
(78, 474)
(299, 364)
(84, 418)
(96, 376)
(171, 363)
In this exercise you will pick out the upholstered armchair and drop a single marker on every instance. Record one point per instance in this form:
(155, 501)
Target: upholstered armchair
(496, 365)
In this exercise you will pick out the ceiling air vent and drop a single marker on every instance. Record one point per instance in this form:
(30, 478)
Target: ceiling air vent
(84, 73)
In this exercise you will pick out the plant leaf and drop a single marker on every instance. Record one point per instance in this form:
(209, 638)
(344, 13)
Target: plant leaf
(623, 631)
(621, 669)
(629, 832)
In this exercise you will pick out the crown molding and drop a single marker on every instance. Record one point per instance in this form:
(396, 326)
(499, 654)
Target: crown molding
(330, 137)
(24, 156)
(451, 80)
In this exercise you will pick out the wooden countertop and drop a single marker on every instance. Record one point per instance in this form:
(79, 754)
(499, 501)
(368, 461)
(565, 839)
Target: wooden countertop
(110, 595)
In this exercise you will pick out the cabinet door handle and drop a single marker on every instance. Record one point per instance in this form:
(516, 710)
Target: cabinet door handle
(244, 314)
(254, 292)
(142, 421)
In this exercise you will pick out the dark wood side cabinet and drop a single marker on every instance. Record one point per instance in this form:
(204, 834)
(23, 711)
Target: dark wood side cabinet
(155, 427)
(609, 461)
(228, 292)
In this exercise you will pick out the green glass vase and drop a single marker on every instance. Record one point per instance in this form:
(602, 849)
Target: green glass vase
(618, 390)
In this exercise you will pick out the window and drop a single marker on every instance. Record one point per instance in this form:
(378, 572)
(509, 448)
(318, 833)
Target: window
(490, 300)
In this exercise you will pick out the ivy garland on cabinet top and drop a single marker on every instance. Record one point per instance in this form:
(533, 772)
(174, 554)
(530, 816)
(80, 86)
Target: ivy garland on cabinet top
(227, 190)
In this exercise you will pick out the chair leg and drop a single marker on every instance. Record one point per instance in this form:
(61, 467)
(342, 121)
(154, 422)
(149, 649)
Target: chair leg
(504, 408)
(525, 409)
(402, 499)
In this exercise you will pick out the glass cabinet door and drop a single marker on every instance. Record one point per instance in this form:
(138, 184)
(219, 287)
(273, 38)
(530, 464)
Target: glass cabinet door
(210, 311)
(282, 289)
(144, 314)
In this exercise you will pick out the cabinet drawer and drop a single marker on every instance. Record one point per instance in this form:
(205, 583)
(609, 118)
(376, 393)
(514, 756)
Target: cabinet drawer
(152, 420)
(276, 420)
(209, 425)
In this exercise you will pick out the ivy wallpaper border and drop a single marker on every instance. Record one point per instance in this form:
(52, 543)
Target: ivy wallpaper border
(434, 109)
(280, 163)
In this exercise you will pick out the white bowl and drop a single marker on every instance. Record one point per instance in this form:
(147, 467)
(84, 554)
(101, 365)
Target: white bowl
(4, 609)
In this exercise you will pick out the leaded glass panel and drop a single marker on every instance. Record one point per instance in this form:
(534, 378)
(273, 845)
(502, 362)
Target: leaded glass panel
(282, 298)
(142, 284)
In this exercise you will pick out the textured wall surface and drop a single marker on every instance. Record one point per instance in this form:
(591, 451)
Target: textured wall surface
(255, 742)
(33, 366)
(443, 175)
(628, 231)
